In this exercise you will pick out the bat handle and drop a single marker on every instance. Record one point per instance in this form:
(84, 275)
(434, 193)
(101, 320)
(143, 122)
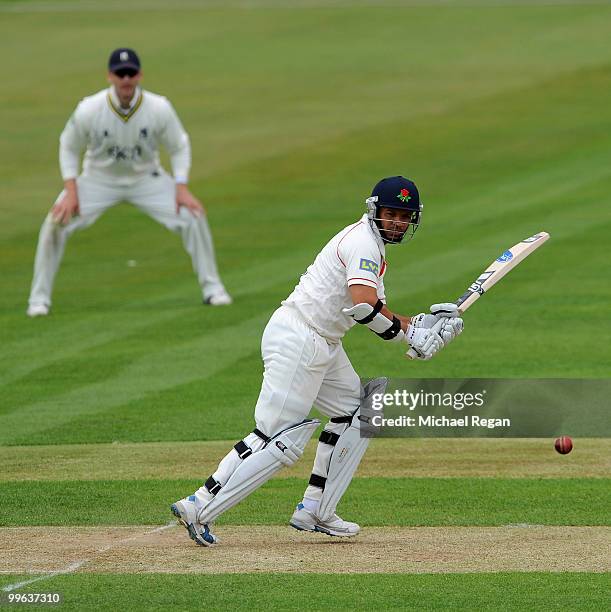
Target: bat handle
(412, 354)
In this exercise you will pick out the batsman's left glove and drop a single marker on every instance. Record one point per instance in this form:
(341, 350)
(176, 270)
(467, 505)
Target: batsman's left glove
(424, 343)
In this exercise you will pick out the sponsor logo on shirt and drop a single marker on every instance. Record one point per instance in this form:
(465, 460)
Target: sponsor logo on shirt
(124, 153)
(369, 266)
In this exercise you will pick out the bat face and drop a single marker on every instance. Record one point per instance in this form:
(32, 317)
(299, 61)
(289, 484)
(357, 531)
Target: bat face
(499, 267)
(494, 273)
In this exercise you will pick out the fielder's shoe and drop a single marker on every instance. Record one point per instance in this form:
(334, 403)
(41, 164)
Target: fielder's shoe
(218, 299)
(304, 520)
(37, 310)
(186, 513)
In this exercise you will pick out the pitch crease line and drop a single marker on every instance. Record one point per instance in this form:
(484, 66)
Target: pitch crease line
(73, 567)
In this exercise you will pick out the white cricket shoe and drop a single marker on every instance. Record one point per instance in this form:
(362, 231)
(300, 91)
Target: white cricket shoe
(37, 310)
(304, 520)
(186, 513)
(219, 299)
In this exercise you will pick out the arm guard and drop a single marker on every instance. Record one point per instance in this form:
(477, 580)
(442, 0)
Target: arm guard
(369, 315)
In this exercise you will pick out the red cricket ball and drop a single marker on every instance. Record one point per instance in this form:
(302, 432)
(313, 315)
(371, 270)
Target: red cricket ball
(563, 445)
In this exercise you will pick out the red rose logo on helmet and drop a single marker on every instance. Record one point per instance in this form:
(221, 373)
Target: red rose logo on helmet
(404, 195)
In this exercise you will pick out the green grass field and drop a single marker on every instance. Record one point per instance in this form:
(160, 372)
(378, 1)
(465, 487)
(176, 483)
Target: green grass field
(125, 397)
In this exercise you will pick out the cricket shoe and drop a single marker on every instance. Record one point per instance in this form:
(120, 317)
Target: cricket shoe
(304, 520)
(218, 299)
(186, 513)
(37, 310)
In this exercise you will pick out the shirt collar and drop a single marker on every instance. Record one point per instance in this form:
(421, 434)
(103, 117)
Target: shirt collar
(376, 234)
(117, 104)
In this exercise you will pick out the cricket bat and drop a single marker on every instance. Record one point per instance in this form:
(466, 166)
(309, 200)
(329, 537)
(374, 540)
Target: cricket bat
(493, 274)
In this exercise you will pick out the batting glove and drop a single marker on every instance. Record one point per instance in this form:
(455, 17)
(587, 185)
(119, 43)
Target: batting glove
(452, 323)
(446, 309)
(444, 317)
(424, 342)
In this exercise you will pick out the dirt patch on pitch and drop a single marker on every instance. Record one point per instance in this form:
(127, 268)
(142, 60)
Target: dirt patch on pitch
(279, 549)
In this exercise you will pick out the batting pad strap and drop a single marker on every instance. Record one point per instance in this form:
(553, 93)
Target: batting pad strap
(212, 485)
(344, 419)
(261, 435)
(318, 481)
(242, 449)
(328, 437)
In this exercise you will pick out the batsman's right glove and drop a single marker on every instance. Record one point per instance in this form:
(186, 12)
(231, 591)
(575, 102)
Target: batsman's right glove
(448, 318)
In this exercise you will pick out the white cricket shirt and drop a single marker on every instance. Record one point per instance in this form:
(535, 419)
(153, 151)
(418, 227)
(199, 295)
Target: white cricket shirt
(122, 145)
(354, 256)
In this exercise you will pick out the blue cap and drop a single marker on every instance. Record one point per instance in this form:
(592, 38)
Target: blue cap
(123, 58)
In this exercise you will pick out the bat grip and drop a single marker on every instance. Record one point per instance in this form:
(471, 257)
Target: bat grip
(412, 354)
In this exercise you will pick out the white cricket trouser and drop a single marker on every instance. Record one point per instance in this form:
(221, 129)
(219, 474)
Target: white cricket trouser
(153, 195)
(301, 369)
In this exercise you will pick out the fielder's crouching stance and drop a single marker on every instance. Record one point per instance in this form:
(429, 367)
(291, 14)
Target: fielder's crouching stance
(122, 128)
(305, 365)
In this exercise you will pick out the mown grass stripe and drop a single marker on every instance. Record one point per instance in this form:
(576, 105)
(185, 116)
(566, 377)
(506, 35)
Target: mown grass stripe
(29, 351)
(371, 501)
(501, 591)
(428, 457)
(137, 379)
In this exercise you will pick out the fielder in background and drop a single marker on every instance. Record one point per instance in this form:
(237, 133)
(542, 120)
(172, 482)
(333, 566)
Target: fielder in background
(305, 365)
(121, 128)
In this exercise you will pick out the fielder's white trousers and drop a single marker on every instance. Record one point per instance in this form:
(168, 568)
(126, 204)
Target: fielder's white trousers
(301, 370)
(153, 195)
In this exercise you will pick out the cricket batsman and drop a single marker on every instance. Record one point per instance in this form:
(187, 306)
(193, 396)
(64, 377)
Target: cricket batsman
(121, 128)
(305, 364)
